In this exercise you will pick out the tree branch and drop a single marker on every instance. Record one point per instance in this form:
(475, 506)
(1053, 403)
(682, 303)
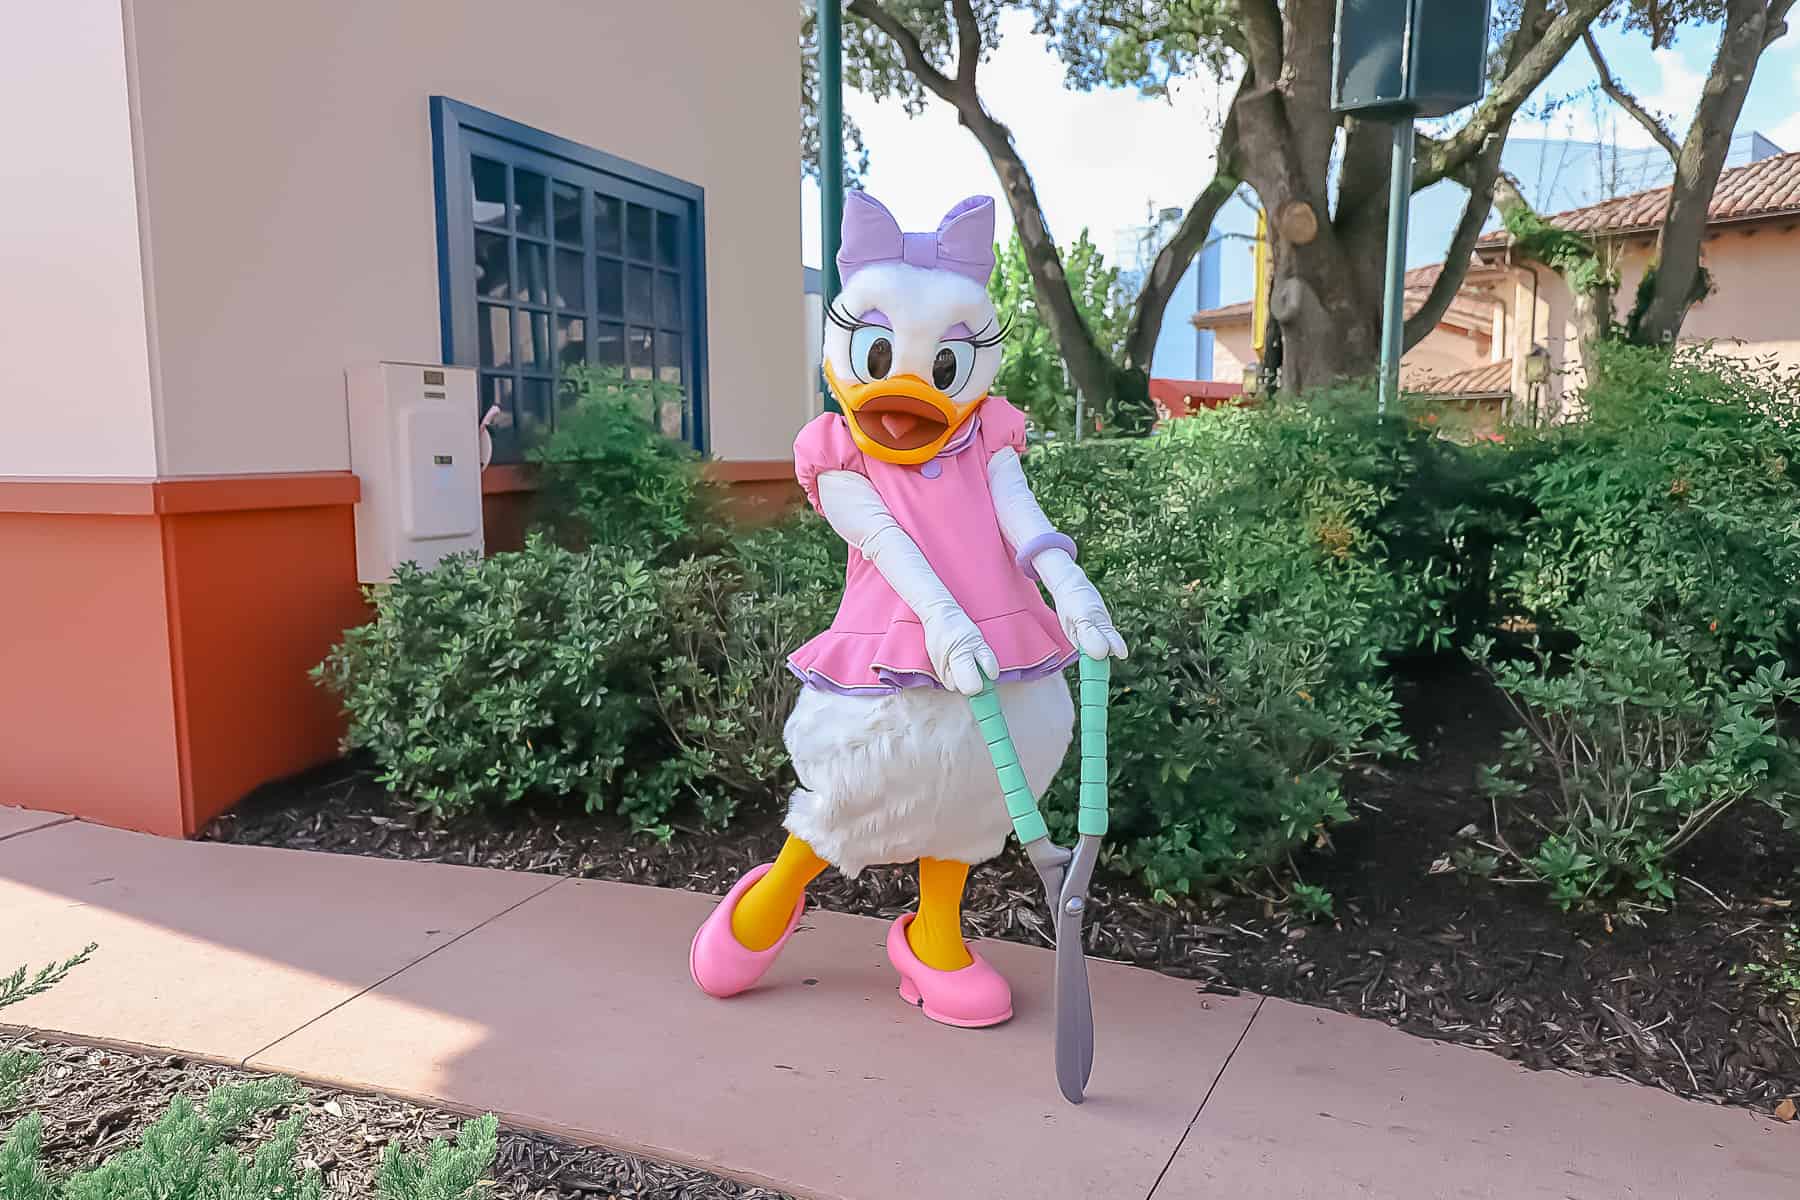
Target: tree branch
(1497, 111)
(1484, 174)
(968, 44)
(1777, 27)
(1625, 100)
(1263, 40)
(912, 51)
(1173, 259)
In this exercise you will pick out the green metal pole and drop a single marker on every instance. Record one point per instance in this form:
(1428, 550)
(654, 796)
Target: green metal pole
(831, 151)
(1393, 303)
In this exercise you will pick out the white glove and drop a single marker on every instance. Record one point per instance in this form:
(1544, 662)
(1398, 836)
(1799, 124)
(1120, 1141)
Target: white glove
(1079, 608)
(1046, 554)
(959, 655)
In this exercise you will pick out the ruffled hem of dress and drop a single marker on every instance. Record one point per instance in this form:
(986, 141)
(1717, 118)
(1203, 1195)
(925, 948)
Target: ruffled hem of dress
(1028, 645)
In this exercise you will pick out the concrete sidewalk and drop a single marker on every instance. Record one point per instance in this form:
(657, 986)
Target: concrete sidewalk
(565, 1006)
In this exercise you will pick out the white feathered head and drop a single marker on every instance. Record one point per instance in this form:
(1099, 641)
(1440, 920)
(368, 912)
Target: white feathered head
(912, 342)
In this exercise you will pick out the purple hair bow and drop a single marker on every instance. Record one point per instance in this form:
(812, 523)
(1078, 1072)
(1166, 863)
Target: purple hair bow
(963, 243)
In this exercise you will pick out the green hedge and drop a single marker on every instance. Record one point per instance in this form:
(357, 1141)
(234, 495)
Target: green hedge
(1267, 565)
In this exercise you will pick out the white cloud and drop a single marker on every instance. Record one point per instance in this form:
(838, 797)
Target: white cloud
(1098, 159)
(1786, 132)
(1676, 97)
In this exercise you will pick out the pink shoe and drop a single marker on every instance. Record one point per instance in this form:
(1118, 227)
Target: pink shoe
(719, 963)
(971, 998)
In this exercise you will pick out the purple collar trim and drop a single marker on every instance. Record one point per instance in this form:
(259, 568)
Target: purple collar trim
(965, 437)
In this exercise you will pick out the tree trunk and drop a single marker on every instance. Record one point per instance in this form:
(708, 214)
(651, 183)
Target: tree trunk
(1326, 288)
(1678, 281)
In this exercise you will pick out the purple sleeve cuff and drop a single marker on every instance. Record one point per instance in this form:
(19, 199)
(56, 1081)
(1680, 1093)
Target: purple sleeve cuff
(1037, 545)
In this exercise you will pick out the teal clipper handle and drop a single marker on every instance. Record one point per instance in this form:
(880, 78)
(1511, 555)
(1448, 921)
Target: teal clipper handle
(1021, 806)
(1096, 682)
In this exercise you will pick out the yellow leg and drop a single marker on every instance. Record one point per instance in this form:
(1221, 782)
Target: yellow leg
(935, 935)
(763, 912)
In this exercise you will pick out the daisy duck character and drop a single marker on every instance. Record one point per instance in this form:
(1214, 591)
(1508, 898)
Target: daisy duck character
(920, 474)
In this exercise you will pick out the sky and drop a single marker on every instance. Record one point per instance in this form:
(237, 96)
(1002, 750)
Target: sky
(1102, 160)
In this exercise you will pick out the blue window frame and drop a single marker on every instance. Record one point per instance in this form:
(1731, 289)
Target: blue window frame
(552, 254)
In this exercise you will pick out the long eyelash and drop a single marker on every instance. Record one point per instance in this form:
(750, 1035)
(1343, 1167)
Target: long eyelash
(986, 339)
(841, 317)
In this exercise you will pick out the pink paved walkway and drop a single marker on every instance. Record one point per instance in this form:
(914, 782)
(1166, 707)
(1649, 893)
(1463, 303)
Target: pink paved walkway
(565, 1006)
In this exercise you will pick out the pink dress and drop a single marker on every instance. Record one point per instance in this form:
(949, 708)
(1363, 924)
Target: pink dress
(876, 645)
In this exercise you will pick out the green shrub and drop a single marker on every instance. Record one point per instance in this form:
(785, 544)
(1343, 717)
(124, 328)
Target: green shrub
(612, 474)
(445, 1172)
(185, 1155)
(1686, 479)
(1777, 970)
(722, 688)
(551, 673)
(1665, 547)
(20, 986)
(17, 1067)
(1240, 555)
(485, 681)
(1641, 745)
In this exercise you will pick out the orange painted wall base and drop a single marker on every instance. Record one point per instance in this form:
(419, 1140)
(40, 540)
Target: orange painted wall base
(158, 635)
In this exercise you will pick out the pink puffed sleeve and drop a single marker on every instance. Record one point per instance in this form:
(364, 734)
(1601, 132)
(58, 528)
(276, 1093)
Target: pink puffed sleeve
(824, 445)
(1002, 425)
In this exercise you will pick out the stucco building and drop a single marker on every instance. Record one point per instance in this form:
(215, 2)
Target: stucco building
(213, 209)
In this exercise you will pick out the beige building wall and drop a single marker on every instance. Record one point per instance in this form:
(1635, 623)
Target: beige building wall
(292, 212)
(73, 337)
(1752, 312)
(1232, 352)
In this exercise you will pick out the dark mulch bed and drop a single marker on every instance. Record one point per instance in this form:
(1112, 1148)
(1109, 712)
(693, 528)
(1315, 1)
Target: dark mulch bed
(96, 1103)
(1433, 952)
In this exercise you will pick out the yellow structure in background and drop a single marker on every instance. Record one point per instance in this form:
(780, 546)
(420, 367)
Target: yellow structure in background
(1259, 304)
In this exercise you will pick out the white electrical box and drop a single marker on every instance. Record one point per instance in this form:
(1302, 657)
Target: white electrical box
(415, 449)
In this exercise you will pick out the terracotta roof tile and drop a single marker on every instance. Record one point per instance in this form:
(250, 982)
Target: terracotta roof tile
(1769, 187)
(1488, 379)
(1472, 308)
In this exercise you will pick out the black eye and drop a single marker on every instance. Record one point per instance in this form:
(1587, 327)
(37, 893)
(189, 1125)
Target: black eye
(871, 352)
(943, 368)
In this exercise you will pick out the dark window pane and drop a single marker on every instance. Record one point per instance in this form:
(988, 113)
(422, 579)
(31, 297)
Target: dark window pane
(668, 299)
(534, 341)
(534, 411)
(609, 225)
(495, 328)
(569, 291)
(637, 231)
(534, 270)
(609, 345)
(637, 293)
(488, 181)
(565, 212)
(568, 396)
(493, 273)
(498, 390)
(668, 357)
(528, 194)
(640, 353)
(609, 287)
(668, 240)
(571, 341)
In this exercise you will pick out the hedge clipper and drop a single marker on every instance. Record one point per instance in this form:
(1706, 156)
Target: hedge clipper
(1065, 873)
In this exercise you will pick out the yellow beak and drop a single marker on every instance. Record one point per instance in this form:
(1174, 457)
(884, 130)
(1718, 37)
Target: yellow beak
(901, 420)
